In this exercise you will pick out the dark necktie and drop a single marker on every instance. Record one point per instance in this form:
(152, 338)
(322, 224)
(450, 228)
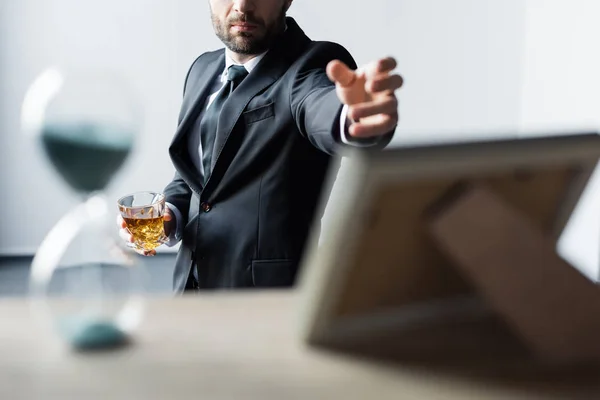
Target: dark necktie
(210, 121)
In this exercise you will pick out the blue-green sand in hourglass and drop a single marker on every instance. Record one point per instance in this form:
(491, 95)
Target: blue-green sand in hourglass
(83, 280)
(86, 155)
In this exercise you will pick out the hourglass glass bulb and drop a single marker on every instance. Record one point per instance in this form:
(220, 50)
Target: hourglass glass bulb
(84, 281)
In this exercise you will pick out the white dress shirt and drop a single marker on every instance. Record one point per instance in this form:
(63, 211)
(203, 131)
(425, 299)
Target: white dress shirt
(196, 146)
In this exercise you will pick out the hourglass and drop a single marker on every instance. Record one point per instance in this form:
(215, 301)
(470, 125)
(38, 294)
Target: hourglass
(84, 281)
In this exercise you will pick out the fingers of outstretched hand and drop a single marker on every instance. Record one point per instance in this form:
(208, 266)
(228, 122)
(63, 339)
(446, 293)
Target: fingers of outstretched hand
(339, 73)
(388, 106)
(374, 125)
(387, 83)
(380, 67)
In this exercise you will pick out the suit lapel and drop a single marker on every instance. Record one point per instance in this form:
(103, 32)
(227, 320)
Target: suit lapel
(263, 76)
(270, 69)
(208, 73)
(200, 84)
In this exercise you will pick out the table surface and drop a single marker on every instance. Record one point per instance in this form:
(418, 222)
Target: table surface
(218, 346)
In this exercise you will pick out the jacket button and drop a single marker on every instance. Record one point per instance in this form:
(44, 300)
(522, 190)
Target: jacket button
(206, 207)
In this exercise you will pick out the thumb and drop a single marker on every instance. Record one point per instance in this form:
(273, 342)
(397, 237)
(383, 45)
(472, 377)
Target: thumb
(339, 73)
(168, 216)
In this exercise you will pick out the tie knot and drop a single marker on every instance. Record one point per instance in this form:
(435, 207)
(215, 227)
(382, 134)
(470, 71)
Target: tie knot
(236, 73)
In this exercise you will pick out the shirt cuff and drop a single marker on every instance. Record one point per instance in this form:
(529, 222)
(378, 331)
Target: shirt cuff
(345, 136)
(175, 236)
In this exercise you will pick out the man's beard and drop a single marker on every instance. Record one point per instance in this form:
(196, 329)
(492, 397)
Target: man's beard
(246, 42)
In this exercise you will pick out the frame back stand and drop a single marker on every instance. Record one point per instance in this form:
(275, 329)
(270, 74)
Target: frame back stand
(530, 313)
(514, 267)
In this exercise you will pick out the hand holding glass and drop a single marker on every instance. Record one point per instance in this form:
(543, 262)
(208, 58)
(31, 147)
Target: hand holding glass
(143, 215)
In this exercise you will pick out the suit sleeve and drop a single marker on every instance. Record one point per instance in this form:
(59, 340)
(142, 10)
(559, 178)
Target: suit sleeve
(177, 192)
(315, 106)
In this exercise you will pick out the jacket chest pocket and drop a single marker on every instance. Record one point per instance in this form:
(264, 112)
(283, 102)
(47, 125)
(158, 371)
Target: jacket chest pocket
(259, 114)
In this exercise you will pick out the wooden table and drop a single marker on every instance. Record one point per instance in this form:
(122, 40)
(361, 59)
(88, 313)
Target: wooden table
(220, 346)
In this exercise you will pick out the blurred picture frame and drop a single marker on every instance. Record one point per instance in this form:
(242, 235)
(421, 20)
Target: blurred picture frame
(398, 269)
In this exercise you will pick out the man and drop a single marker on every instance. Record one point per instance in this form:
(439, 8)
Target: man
(260, 125)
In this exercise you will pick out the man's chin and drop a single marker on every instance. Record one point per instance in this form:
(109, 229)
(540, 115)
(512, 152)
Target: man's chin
(246, 37)
(246, 45)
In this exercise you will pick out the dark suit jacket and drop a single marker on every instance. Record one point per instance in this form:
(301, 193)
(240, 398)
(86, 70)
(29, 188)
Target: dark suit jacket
(277, 137)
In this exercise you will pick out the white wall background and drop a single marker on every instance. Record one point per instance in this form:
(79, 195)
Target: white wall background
(561, 91)
(472, 68)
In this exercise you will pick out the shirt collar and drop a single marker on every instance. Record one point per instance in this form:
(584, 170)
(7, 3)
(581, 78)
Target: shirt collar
(249, 65)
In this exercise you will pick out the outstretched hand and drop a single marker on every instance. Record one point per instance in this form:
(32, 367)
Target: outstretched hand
(370, 94)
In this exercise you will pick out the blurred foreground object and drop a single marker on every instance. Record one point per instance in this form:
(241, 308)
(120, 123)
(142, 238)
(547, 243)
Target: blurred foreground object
(447, 253)
(242, 346)
(86, 122)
